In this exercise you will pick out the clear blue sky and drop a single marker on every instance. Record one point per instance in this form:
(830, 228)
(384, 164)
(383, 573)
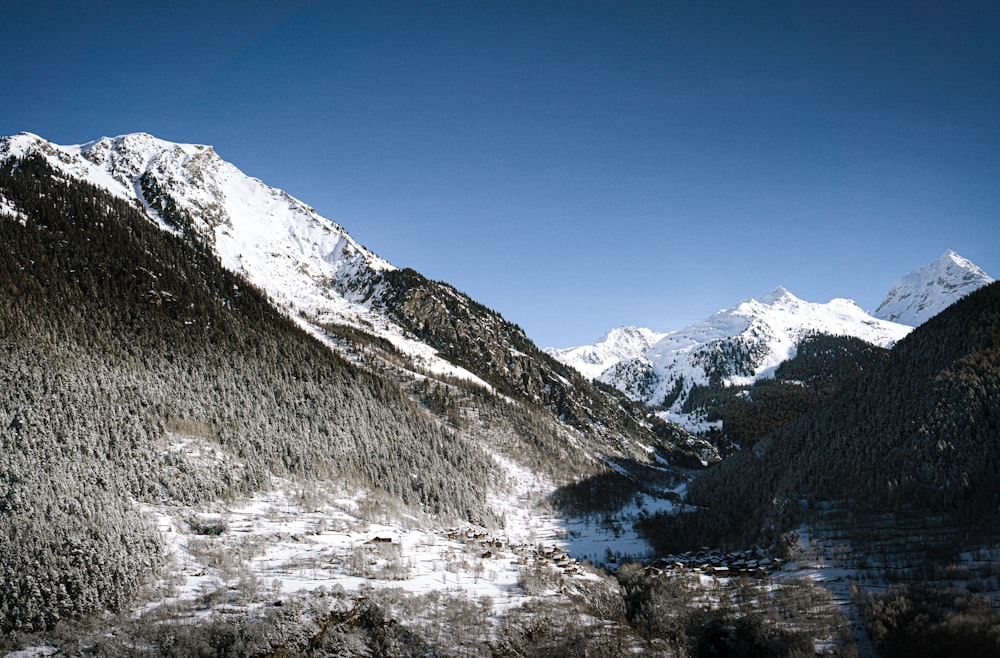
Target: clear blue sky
(574, 165)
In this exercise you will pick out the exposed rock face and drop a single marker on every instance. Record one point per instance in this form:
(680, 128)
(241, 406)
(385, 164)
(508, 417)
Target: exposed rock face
(480, 340)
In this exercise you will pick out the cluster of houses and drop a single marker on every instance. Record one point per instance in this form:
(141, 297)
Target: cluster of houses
(755, 562)
(558, 558)
(525, 555)
(713, 562)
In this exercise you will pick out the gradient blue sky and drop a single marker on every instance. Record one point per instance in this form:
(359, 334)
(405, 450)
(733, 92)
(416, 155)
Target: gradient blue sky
(574, 165)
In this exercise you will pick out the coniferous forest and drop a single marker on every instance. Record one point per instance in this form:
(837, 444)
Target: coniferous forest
(121, 342)
(915, 432)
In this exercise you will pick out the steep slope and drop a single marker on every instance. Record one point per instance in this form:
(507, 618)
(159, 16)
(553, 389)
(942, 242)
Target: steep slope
(741, 344)
(479, 340)
(617, 345)
(928, 290)
(307, 264)
(134, 368)
(325, 280)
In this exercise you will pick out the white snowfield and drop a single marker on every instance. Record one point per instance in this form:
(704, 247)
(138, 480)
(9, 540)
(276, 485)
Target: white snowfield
(290, 540)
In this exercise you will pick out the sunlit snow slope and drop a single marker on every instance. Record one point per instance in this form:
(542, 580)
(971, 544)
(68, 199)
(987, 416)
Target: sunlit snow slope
(308, 264)
(928, 290)
(615, 346)
(740, 344)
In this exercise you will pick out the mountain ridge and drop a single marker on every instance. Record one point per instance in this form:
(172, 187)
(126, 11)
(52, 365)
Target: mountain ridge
(740, 344)
(311, 268)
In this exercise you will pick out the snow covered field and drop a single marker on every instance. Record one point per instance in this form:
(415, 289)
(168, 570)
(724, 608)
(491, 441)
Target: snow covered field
(292, 540)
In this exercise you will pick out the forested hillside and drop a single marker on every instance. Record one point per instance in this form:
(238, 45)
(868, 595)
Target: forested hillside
(481, 341)
(917, 433)
(823, 365)
(125, 350)
(136, 372)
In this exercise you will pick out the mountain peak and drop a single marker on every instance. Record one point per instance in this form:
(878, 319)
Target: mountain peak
(619, 344)
(949, 258)
(779, 294)
(624, 332)
(279, 243)
(928, 290)
(21, 144)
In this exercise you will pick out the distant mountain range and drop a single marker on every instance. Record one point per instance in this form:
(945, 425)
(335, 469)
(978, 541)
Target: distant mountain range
(617, 345)
(916, 431)
(748, 341)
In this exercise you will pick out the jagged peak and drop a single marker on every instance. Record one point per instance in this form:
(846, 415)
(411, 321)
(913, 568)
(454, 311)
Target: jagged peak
(626, 331)
(143, 140)
(779, 294)
(949, 258)
(929, 289)
(137, 150)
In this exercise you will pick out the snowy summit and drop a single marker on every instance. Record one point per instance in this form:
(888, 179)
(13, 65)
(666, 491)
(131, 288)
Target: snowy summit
(733, 346)
(928, 290)
(616, 345)
(308, 264)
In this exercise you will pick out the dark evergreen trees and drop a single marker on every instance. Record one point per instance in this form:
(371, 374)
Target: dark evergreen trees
(122, 348)
(916, 433)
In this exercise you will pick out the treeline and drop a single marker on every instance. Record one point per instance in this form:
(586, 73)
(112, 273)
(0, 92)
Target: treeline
(822, 366)
(921, 620)
(634, 614)
(483, 342)
(915, 433)
(133, 367)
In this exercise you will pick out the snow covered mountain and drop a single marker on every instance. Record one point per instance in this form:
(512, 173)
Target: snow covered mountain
(328, 283)
(164, 393)
(278, 242)
(617, 345)
(928, 290)
(308, 264)
(741, 344)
